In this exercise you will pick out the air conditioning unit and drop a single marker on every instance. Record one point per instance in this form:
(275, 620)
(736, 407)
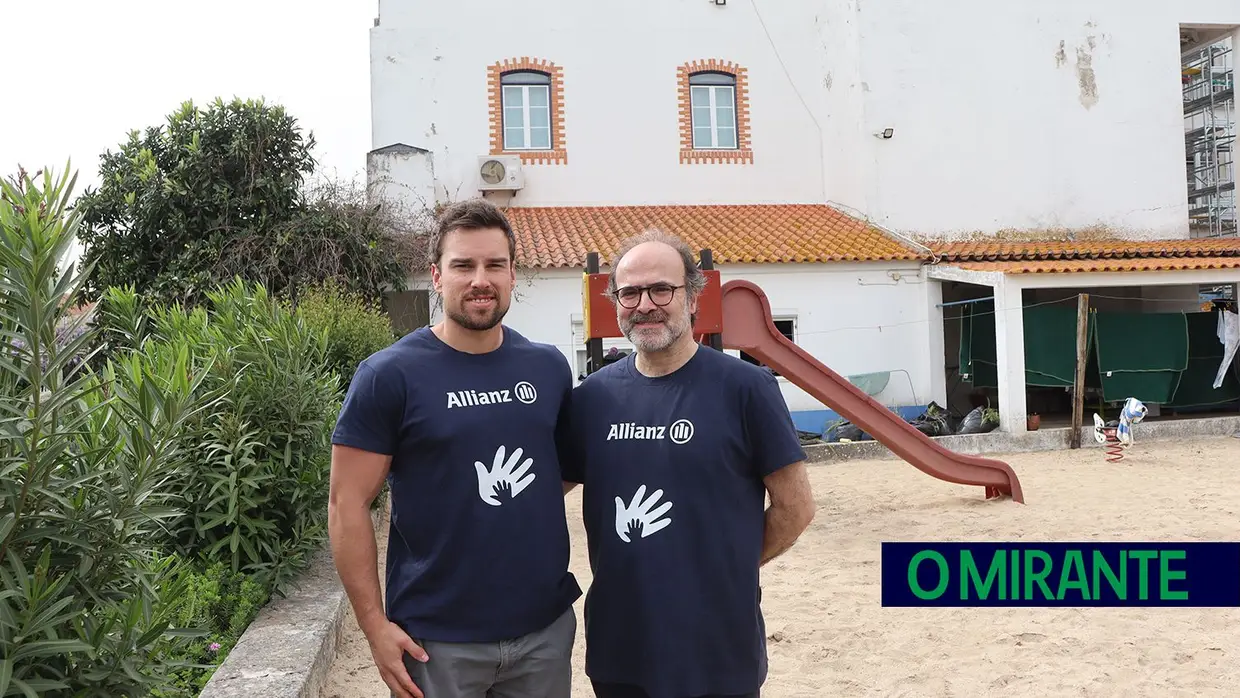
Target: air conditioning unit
(500, 173)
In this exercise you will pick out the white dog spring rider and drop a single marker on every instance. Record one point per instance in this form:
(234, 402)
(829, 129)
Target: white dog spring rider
(1118, 437)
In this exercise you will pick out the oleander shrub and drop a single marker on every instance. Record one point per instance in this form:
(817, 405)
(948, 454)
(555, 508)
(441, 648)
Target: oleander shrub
(258, 468)
(87, 460)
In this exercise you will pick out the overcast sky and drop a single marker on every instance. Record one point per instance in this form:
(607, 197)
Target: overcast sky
(79, 74)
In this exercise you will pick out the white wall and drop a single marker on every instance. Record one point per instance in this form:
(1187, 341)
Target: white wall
(855, 318)
(429, 85)
(1029, 115)
(1018, 115)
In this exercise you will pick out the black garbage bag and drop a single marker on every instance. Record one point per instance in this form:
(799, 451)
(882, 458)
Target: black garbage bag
(845, 430)
(808, 437)
(933, 422)
(979, 421)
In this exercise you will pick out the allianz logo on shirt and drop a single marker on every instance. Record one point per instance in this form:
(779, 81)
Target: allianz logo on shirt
(680, 432)
(523, 392)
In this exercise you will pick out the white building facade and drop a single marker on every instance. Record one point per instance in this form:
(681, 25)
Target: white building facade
(924, 120)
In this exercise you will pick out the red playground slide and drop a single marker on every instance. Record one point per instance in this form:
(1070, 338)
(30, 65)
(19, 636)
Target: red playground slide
(747, 326)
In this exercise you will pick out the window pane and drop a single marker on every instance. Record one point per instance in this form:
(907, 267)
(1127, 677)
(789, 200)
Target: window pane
(540, 138)
(701, 117)
(724, 97)
(701, 96)
(514, 138)
(701, 138)
(727, 137)
(538, 96)
(539, 117)
(514, 117)
(725, 117)
(513, 97)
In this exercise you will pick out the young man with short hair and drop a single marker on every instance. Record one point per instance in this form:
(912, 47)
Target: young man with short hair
(677, 446)
(461, 419)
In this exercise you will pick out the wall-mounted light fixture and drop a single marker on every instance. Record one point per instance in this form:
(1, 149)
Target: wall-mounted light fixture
(885, 133)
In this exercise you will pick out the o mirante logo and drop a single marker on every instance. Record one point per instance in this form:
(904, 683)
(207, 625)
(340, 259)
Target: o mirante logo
(1061, 574)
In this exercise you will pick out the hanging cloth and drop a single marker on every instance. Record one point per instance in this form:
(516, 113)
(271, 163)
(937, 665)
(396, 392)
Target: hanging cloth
(1229, 336)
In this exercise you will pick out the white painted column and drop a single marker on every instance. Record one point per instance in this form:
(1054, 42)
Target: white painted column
(1010, 352)
(937, 350)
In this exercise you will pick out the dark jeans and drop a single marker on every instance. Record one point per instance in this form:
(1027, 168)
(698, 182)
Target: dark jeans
(622, 690)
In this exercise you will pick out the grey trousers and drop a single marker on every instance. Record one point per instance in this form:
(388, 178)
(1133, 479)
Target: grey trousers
(537, 665)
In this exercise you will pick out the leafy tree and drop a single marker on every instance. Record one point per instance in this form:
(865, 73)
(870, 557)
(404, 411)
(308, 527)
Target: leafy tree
(220, 193)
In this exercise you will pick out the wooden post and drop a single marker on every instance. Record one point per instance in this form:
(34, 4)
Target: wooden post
(1082, 352)
(594, 347)
(714, 341)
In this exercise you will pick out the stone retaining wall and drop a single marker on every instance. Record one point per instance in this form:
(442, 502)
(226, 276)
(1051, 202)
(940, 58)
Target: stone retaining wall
(287, 651)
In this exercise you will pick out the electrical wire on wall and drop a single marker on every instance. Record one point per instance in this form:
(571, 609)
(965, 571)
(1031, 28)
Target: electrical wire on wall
(822, 158)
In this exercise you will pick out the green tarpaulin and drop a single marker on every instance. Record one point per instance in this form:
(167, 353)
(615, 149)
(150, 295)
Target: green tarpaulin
(1160, 358)
(1205, 355)
(978, 363)
(1050, 345)
(1140, 355)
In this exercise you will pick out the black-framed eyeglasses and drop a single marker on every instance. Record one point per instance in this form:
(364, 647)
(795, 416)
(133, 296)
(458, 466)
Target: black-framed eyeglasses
(660, 294)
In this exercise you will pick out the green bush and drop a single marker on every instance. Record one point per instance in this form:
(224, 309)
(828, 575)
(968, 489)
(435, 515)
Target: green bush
(162, 472)
(258, 470)
(220, 603)
(353, 328)
(85, 462)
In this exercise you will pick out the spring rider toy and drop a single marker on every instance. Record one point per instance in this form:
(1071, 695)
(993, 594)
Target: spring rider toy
(1117, 435)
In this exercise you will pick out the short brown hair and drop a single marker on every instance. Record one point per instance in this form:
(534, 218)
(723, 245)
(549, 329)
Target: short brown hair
(471, 214)
(695, 280)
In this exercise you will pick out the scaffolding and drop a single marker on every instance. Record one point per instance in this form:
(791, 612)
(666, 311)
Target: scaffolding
(1210, 135)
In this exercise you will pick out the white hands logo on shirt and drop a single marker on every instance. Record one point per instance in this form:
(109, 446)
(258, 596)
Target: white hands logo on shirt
(505, 480)
(639, 517)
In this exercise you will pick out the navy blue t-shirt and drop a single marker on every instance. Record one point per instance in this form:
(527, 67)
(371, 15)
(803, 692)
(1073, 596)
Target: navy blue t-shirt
(674, 509)
(478, 547)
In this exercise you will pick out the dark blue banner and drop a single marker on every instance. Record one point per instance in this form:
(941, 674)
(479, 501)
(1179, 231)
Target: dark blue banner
(1061, 574)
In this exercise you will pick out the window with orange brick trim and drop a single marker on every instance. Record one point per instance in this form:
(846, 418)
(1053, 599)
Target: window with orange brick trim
(714, 112)
(526, 106)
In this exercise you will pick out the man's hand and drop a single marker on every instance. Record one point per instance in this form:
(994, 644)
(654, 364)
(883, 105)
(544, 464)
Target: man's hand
(791, 511)
(388, 645)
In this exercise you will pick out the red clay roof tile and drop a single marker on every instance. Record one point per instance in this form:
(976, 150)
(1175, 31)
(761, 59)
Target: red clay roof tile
(1067, 266)
(1084, 249)
(550, 237)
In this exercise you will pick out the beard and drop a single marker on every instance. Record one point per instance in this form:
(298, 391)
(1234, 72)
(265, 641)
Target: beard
(657, 337)
(478, 321)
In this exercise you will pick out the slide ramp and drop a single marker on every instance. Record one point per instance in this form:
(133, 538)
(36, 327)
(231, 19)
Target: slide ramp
(748, 326)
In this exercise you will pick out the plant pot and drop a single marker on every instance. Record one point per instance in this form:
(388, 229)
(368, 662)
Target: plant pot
(1033, 421)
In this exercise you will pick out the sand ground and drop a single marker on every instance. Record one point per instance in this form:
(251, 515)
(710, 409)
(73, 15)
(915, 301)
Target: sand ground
(829, 635)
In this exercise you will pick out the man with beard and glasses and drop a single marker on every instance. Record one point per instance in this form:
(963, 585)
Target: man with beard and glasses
(677, 446)
(461, 419)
